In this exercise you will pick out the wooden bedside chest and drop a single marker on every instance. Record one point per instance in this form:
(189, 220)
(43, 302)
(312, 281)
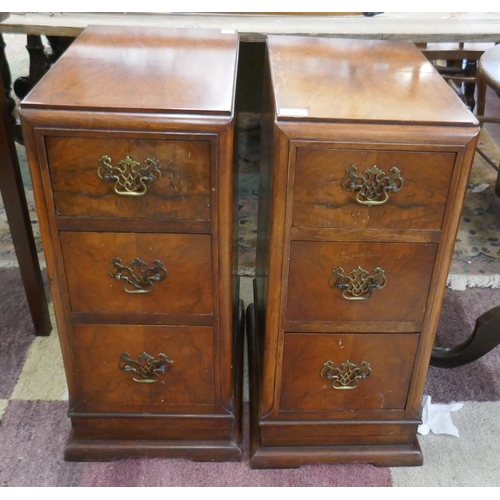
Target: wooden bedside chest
(366, 156)
(130, 144)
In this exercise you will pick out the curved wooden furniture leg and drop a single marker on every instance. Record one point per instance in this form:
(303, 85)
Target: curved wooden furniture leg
(484, 338)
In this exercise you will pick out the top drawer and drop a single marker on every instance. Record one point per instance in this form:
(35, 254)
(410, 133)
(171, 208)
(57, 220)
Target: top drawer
(130, 178)
(371, 189)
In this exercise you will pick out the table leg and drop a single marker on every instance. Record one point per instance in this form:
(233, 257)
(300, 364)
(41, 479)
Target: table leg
(40, 61)
(39, 65)
(14, 198)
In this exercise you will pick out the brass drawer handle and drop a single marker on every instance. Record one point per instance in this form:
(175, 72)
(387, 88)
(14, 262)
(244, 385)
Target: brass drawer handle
(130, 179)
(373, 185)
(146, 367)
(347, 375)
(358, 284)
(139, 277)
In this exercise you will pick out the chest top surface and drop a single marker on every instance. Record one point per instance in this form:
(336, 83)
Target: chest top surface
(347, 80)
(125, 68)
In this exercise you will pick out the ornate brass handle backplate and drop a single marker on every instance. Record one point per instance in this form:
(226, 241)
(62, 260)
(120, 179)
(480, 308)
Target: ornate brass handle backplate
(358, 284)
(346, 375)
(139, 277)
(129, 177)
(373, 185)
(146, 368)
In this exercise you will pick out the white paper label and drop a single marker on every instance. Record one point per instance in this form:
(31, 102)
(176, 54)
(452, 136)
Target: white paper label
(293, 112)
(228, 32)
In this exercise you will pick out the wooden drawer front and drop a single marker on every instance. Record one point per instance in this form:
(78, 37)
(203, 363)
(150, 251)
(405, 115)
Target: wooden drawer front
(407, 269)
(185, 289)
(377, 378)
(181, 192)
(102, 354)
(320, 200)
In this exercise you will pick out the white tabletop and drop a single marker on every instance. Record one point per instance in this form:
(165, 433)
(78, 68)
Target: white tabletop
(415, 27)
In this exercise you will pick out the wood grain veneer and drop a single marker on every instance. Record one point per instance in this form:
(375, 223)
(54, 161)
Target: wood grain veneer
(181, 193)
(142, 93)
(330, 105)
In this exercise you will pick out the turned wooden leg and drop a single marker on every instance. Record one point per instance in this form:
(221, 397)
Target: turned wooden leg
(40, 60)
(14, 199)
(7, 88)
(39, 65)
(484, 338)
(58, 45)
(7, 82)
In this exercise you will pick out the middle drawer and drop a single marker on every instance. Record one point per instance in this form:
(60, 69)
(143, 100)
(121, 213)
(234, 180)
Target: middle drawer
(138, 272)
(359, 282)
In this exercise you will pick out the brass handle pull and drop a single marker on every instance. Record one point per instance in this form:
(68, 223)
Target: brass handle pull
(146, 367)
(347, 375)
(373, 185)
(358, 284)
(139, 277)
(129, 177)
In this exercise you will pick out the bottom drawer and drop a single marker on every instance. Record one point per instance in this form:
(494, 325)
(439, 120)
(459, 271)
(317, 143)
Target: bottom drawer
(336, 372)
(158, 369)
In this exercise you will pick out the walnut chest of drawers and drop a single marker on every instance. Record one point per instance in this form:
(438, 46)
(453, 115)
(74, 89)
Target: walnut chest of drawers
(130, 144)
(366, 156)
